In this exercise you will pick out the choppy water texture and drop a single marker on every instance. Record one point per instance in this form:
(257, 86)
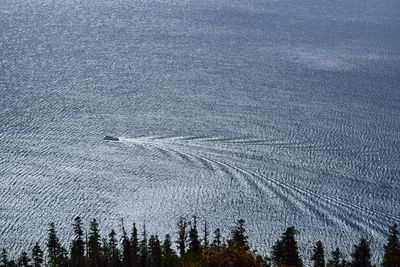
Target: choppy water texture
(278, 112)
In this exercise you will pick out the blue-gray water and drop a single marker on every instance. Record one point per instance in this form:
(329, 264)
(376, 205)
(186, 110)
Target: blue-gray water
(278, 112)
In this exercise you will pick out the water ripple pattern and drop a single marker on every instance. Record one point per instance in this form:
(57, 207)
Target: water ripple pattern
(278, 112)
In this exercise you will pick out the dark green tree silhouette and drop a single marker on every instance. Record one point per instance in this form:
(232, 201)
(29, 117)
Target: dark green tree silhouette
(336, 259)
(169, 255)
(105, 253)
(205, 234)
(126, 248)
(318, 256)
(361, 255)
(94, 245)
(150, 253)
(114, 259)
(143, 252)
(54, 250)
(391, 257)
(155, 253)
(37, 255)
(285, 252)
(23, 260)
(217, 242)
(134, 243)
(182, 225)
(239, 234)
(278, 253)
(194, 242)
(78, 244)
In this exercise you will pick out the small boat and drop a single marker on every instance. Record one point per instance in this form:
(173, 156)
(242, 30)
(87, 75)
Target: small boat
(110, 138)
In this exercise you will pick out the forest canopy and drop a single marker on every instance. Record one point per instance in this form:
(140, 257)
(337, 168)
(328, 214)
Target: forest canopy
(193, 246)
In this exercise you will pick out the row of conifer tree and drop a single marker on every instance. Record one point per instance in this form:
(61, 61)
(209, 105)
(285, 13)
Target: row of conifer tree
(142, 250)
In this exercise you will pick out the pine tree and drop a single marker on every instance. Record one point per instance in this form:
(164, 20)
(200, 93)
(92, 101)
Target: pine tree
(182, 225)
(143, 252)
(217, 238)
(194, 242)
(278, 253)
(167, 247)
(361, 256)
(391, 256)
(105, 255)
(239, 235)
(168, 254)
(205, 239)
(94, 245)
(37, 255)
(126, 248)
(134, 243)
(23, 260)
(78, 244)
(113, 249)
(53, 247)
(155, 253)
(318, 256)
(336, 259)
(286, 252)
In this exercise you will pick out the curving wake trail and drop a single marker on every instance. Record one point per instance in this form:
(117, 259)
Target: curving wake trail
(230, 157)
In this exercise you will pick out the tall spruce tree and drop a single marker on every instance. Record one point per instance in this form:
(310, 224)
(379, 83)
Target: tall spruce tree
(78, 244)
(94, 245)
(155, 253)
(143, 249)
(37, 255)
(114, 259)
(285, 252)
(126, 248)
(182, 225)
(194, 242)
(167, 247)
(168, 254)
(105, 253)
(205, 234)
(278, 253)
(239, 235)
(54, 247)
(134, 242)
(391, 257)
(318, 256)
(361, 255)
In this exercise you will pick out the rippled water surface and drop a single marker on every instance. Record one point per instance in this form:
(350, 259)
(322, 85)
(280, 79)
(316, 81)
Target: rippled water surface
(278, 112)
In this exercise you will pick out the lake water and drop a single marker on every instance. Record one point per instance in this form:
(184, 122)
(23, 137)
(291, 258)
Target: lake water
(278, 112)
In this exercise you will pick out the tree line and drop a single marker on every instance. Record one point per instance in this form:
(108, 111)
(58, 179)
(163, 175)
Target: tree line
(189, 249)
